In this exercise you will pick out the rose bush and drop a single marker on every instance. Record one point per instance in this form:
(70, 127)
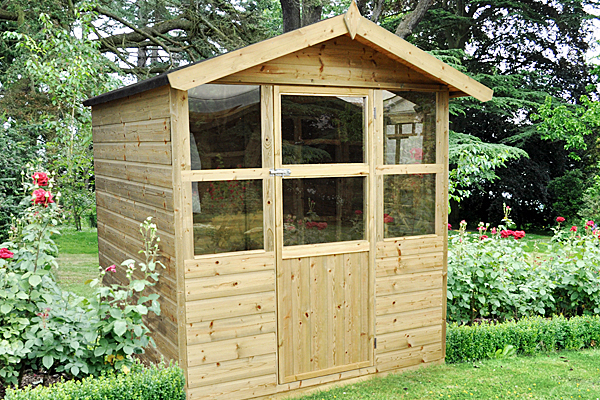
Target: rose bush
(495, 278)
(43, 327)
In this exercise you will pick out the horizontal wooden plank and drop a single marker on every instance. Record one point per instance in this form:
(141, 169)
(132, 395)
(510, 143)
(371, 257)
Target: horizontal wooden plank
(149, 105)
(224, 174)
(229, 285)
(158, 130)
(136, 211)
(326, 170)
(398, 303)
(409, 357)
(231, 349)
(321, 380)
(411, 338)
(410, 246)
(409, 169)
(327, 371)
(230, 328)
(229, 264)
(408, 320)
(409, 264)
(227, 371)
(131, 228)
(397, 284)
(153, 174)
(239, 389)
(229, 307)
(325, 249)
(148, 152)
(145, 193)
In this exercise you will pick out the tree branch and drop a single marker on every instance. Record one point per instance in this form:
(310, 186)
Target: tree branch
(412, 19)
(8, 16)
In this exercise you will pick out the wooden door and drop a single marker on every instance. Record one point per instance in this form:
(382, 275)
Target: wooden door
(323, 223)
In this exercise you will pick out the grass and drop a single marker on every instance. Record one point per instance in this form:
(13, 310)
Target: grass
(565, 375)
(77, 259)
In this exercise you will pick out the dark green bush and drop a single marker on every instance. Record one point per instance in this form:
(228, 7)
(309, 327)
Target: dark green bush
(153, 383)
(528, 336)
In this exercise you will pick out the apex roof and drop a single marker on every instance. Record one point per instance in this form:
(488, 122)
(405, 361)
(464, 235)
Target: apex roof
(352, 24)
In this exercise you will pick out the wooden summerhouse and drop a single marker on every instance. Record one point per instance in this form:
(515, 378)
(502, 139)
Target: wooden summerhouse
(300, 190)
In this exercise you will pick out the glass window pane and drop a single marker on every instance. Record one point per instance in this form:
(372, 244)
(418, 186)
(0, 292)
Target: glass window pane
(409, 205)
(225, 128)
(322, 129)
(228, 216)
(409, 121)
(323, 210)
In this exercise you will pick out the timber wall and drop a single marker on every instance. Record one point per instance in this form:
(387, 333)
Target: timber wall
(133, 167)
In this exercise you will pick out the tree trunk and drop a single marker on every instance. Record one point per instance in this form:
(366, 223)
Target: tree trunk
(412, 19)
(311, 11)
(290, 10)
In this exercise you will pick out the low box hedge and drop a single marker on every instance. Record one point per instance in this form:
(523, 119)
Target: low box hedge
(528, 336)
(151, 383)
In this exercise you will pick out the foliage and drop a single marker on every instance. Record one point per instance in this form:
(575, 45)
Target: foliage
(44, 327)
(154, 382)
(567, 193)
(494, 278)
(528, 336)
(590, 206)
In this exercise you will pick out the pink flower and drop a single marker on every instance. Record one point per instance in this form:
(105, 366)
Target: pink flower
(494, 231)
(321, 225)
(589, 224)
(358, 212)
(573, 228)
(518, 235)
(416, 153)
(449, 226)
(483, 237)
(5, 253)
(40, 196)
(387, 219)
(560, 219)
(506, 233)
(112, 268)
(40, 179)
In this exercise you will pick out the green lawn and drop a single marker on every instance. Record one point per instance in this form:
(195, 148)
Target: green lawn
(77, 259)
(565, 375)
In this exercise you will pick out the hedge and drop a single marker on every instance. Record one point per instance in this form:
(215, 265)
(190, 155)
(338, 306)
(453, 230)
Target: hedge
(528, 336)
(151, 383)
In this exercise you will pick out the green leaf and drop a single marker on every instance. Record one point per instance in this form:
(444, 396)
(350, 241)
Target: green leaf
(48, 361)
(75, 370)
(138, 286)
(120, 327)
(35, 280)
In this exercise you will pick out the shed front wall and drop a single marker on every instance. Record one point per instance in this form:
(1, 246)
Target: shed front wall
(134, 180)
(232, 300)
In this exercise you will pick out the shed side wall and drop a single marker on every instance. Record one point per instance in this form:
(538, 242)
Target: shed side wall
(132, 161)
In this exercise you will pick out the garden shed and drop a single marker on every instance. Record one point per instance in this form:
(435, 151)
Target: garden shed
(299, 186)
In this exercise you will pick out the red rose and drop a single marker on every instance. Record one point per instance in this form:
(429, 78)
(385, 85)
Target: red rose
(40, 196)
(560, 219)
(573, 228)
(483, 237)
(321, 225)
(358, 212)
(387, 219)
(40, 179)
(589, 223)
(518, 235)
(506, 233)
(449, 226)
(5, 253)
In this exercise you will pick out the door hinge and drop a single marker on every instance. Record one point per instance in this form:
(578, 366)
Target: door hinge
(374, 112)
(280, 172)
(375, 343)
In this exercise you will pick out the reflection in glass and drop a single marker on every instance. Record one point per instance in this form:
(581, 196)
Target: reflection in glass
(409, 121)
(323, 210)
(225, 128)
(322, 129)
(409, 205)
(229, 217)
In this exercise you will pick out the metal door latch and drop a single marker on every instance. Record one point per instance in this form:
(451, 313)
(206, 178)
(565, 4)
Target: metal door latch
(280, 172)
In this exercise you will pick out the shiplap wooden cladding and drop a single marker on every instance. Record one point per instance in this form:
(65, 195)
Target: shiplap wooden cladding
(291, 313)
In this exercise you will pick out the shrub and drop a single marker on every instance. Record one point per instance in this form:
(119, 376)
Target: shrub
(495, 278)
(528, 336)
(140, 384)
(43, 327)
